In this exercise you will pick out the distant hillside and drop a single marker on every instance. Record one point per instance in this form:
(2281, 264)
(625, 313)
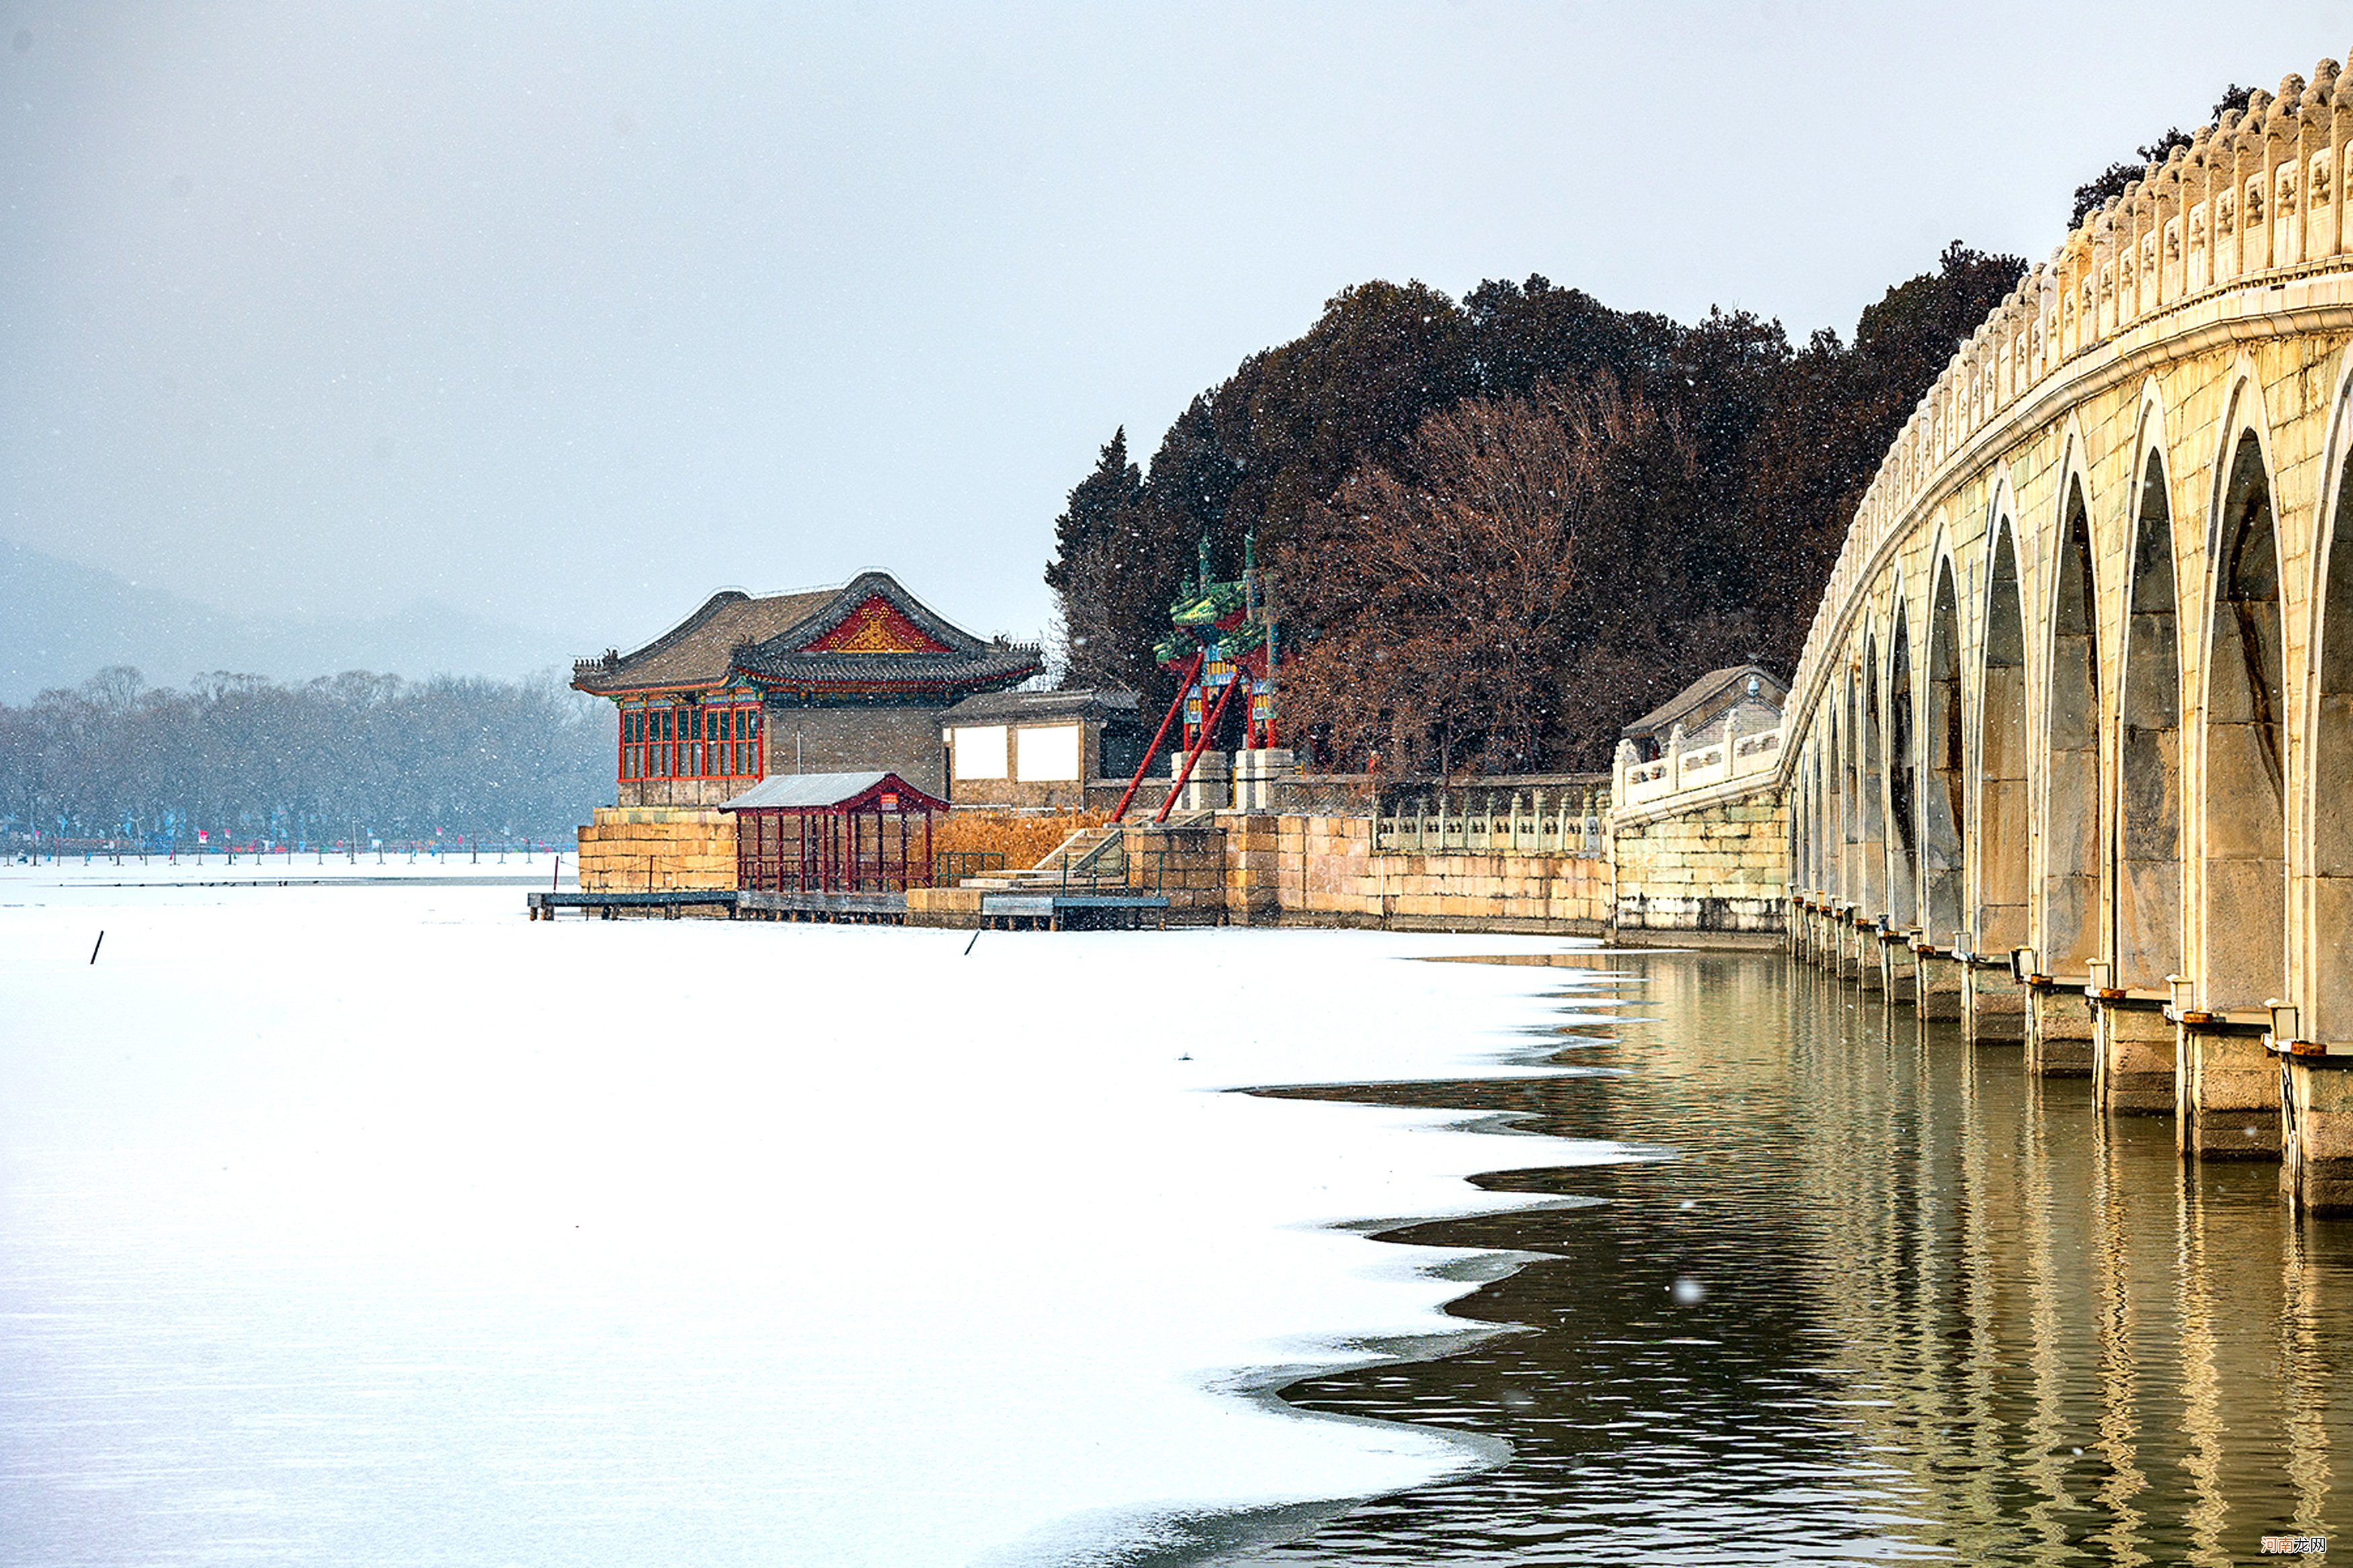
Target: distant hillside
(61, 622)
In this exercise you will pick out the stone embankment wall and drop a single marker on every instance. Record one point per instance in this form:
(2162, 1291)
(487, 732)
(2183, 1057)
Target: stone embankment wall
(654, 850)
(1266, 870)
(1186, 865)
(1327, 868)
(1722, 867)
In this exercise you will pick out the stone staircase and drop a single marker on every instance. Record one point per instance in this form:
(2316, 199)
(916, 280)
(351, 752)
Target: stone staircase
(1091, 855)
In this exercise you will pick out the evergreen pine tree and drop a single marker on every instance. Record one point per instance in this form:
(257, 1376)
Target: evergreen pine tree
(1095, 532)
(1094, 512)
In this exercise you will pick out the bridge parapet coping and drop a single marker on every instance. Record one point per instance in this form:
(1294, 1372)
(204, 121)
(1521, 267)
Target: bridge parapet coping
(2255, 202)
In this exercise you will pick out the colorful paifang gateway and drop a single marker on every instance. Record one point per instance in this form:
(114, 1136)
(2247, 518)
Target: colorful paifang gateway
(1229, 628)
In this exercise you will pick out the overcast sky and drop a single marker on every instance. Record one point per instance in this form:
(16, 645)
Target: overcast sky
(567, 315)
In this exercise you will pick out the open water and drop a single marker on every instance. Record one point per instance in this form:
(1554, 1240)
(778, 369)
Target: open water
(1864, 1291)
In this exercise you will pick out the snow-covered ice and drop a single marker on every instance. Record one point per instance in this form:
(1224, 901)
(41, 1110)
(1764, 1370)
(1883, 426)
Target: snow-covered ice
(375, 1225)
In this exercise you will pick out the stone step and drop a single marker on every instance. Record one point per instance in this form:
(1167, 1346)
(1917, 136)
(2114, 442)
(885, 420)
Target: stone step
(1076, 847)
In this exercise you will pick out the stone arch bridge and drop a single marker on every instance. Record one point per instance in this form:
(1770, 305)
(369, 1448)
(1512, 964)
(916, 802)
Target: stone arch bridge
(2068, 751)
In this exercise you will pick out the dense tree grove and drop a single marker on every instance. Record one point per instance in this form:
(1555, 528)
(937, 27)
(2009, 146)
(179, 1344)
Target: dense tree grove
(245, 760)
(1506, 526)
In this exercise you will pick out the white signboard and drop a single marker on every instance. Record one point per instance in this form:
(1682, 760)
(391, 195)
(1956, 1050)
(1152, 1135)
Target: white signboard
(1049, 754)
(980, 752)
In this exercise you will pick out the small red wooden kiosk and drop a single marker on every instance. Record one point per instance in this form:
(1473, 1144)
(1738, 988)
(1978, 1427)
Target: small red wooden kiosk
(833, 833)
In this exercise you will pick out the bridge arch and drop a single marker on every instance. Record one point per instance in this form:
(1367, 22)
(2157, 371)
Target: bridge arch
(1850, 788)
(1810, 814)
(2070, 929)
(1903, 773)
(1825, 809)
(2147, 916)
(2242, 732)
(2112, 549)
(2000, 836)
(2327, 824)
(1945, 803)
(1801, 805)
(1808, 817)
(1871, 793)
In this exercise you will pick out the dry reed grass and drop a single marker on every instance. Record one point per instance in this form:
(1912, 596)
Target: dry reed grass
(1024, 838)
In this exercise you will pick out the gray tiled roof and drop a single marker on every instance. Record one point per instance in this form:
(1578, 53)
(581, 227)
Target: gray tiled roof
(984, 666)
(768, 637)
(964, 662)
(805, 790)
(700, 649)
(1706, 697)
(1040, 706)
(818, 792)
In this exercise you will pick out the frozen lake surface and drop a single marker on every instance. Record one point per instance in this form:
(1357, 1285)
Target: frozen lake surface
(374, 1224)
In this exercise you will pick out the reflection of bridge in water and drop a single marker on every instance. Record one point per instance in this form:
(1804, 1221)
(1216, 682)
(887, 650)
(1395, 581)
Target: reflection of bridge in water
(1944, 1309)
(2071, 740)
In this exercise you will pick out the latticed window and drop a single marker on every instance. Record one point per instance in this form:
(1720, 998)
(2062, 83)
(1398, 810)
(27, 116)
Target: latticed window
(690, 741)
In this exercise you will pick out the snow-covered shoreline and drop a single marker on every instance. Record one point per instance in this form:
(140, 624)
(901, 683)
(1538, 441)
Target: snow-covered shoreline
(382, 1224)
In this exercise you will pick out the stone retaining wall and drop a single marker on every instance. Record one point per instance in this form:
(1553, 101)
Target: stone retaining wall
(1719, 869)
(654, 850)
(1186, 865)
(1269, 869)
(1327, 867)
(1722, 869)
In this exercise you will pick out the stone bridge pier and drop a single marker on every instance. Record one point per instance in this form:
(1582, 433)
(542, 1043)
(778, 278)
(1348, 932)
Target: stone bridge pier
(2069, 748)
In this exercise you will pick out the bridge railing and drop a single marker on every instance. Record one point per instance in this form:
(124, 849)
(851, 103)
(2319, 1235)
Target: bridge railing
(2258, 199)
(1468, 822)
(1731, 758)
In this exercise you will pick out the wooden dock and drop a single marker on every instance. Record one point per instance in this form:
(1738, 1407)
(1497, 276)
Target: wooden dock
(854, 909)
(1051, 910)
(608, 906)
(1027, 910)
(869, 908)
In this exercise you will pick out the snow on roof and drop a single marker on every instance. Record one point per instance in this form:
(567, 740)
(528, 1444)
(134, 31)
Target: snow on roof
(814, 791)
(806, 789)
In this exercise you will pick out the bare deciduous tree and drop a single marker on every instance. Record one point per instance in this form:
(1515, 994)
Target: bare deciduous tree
(1487, 596)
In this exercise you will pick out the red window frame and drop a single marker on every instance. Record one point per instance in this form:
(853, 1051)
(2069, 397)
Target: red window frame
(715, 738)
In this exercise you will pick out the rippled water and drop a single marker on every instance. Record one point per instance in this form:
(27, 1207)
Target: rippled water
(1878, 1295)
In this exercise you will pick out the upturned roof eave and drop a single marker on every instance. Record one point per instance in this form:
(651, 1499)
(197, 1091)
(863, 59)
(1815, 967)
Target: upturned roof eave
(656, 688)
(971, 674)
